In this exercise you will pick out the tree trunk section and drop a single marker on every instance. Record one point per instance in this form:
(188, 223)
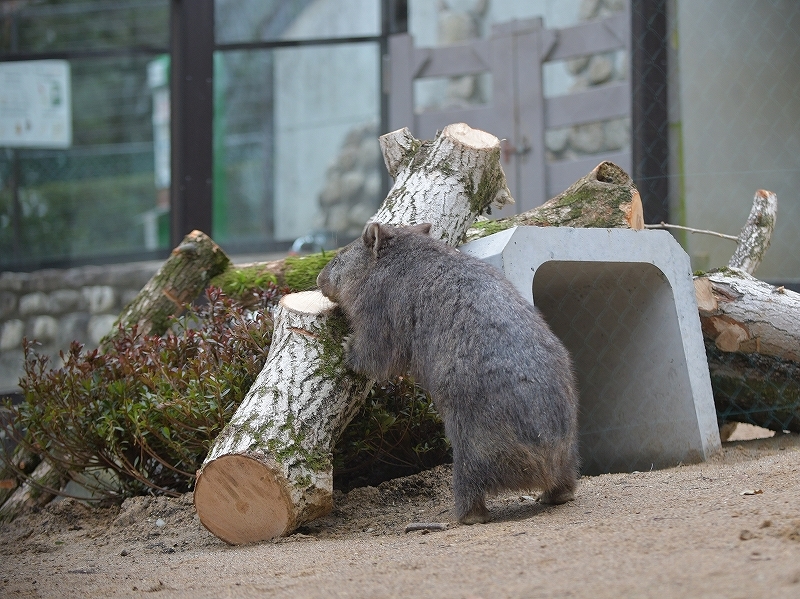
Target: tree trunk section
(35, 491)
(752, 334)
(606, 198)
(270, 469)
(757, 232)
(181, 278)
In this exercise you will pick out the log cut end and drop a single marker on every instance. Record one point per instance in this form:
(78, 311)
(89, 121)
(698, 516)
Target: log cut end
(240, 499)
(473, 138)
(308, 302)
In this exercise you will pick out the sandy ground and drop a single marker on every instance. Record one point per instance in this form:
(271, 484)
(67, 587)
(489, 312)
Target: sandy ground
(726, 528)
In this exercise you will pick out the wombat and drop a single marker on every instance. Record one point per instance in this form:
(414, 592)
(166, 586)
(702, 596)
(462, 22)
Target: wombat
(501, 381)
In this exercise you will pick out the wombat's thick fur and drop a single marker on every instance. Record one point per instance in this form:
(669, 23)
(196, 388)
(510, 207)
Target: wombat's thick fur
(501, 381)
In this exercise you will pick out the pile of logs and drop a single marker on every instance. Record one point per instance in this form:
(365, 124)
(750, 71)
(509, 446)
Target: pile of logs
(270, 469)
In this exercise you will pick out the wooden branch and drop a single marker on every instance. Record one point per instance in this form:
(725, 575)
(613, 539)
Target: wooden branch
(605, 197)
(663, 225)
(756, 234)
(270, 470)
(182, 277)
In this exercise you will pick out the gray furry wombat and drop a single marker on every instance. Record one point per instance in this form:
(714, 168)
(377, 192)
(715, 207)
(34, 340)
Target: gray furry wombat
(501, 381)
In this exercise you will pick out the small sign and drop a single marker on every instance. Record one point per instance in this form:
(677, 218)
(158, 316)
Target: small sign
(35, 104)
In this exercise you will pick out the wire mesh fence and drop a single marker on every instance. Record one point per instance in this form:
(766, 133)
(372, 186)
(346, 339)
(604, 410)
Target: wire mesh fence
(715, 116)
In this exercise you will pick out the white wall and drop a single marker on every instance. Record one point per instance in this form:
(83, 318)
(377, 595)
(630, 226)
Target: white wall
(739, 70)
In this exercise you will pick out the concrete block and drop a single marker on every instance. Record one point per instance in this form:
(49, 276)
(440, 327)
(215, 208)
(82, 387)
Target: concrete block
(623, 303)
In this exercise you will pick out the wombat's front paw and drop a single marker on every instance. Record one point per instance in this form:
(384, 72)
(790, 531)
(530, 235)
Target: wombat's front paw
(348, 356)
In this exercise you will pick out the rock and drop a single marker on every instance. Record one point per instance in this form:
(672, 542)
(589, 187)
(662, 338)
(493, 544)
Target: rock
(587, 138)
(601, 68)
(556, 140)
(34, 303)
(99, 326)
(44, 329)
(8, 303)
(617, 134)
(66, 300)
(11, 335)
(101, 298)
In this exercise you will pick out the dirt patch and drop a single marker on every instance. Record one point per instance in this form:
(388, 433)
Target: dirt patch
(726, 528)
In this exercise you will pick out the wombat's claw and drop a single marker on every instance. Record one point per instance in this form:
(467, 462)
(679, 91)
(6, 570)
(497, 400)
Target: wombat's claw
(346, 342)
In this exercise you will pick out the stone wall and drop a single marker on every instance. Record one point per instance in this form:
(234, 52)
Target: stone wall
(56, 307)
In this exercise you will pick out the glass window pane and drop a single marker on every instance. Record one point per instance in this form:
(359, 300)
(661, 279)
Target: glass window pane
(97, 197)
(299, 136)
(272, 20)
(83, 25)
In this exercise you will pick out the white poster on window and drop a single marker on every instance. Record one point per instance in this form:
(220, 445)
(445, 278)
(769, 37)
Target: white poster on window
(35, 106)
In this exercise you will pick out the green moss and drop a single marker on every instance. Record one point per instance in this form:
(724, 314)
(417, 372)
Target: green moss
(301, 271)
(480, 199)
(490, 227)
(235, 282)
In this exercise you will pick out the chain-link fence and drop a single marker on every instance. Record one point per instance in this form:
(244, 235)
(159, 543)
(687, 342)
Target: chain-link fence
(715, 107)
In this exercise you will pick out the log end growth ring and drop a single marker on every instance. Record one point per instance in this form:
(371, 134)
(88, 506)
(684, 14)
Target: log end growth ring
(240, 499)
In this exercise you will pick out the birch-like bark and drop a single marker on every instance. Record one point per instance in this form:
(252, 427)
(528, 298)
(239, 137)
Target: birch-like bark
(757, 232)
(270, 470)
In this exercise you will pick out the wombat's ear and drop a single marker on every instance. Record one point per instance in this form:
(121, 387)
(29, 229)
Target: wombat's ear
(375, 236)
(423, 229)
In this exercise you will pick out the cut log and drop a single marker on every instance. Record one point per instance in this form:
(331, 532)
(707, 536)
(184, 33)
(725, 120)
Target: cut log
(37, 490)
(270, 470)
(754, 330)
(756, 234)
(606, 197)
(182, 277)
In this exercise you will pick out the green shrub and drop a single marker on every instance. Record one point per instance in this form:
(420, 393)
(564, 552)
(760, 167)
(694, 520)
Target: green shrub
(143, 415)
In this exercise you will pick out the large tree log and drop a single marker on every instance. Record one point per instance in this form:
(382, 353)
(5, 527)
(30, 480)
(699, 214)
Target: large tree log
(752, 333)
(270, 470)
(181, 278)
(606, 197)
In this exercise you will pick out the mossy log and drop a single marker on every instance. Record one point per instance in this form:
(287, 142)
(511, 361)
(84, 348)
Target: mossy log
(181, 278)
(39, 489)
(606, 197)
(756, 389)
(271, 468)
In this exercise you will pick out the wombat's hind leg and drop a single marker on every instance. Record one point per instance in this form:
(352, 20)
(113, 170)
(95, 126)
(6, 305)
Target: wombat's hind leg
(476, 514)
(563, 492)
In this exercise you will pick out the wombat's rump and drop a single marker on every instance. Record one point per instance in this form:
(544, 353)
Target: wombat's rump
(500, 379)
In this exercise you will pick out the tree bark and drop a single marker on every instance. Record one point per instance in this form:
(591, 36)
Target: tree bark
(752, 334)
(757, 232)
(270, 470)
(35, 491)
(606, 197)
(181, 278)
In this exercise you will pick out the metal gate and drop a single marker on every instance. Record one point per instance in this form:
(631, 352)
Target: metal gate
(518, 113)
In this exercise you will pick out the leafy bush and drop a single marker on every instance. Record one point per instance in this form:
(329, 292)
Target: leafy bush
(396, 433)
(143, 415)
